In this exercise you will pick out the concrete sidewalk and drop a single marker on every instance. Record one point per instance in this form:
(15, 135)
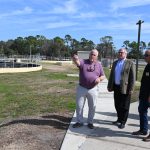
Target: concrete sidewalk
(105, 135)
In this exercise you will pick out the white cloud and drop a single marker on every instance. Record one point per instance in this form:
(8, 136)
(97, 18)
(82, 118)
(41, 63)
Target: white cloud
(24, 11)
(145, 28)
(89, 15)
(61, 24)
(66, 7)
(128, 3)
(112, 25)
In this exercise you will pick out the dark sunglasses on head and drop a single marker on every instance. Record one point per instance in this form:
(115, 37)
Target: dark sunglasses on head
(146, 55)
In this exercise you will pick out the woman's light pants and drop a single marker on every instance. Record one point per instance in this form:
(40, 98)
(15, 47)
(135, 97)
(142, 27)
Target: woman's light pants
(81, 96)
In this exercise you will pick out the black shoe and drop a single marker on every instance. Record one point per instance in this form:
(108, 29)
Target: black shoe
(77, 125)
(90, 125)
(121, 126)
(147, 138)
(139, 132)
(116, 123)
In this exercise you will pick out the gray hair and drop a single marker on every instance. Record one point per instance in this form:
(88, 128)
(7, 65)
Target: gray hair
(95, 51)
(123, 49)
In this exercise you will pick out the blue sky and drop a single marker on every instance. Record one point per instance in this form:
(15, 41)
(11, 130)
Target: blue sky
(79, 18)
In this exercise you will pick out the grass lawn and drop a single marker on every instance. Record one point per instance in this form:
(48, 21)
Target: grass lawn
(33, 93)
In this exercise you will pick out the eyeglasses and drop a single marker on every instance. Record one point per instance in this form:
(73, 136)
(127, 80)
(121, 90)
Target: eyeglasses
(91, 68)
(146, 55)
(120, 52)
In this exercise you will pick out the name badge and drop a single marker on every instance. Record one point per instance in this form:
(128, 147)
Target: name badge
(147, 74)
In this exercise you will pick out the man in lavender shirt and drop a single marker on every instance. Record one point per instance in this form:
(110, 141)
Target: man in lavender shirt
(90, 75)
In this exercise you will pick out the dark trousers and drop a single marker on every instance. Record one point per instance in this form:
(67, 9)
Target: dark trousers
(122, 104)
(143, 110)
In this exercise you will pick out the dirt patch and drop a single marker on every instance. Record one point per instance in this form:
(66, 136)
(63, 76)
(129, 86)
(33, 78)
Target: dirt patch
(44, 132)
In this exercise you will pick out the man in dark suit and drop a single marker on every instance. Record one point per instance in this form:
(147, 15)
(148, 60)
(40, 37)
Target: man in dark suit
(121, 81)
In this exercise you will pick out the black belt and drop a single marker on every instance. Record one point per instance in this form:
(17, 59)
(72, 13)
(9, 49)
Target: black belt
(117, 85)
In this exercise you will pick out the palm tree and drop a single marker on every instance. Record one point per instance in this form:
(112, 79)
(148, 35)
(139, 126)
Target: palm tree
(83, 43)
(126, 44)
(59, 45)
(68, 41)
(39, 43)
(107, 44)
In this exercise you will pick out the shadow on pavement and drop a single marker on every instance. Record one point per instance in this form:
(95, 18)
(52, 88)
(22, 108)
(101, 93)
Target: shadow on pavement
(105, 128)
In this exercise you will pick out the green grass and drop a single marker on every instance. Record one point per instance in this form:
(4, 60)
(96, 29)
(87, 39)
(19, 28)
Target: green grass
(107, 72)
(33, 93)
(23, 94)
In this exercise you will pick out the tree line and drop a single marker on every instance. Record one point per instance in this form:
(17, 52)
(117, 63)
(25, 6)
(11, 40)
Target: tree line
(64, 47)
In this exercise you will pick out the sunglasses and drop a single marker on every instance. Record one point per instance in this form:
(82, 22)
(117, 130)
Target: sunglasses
(91, 68)
(146, 55)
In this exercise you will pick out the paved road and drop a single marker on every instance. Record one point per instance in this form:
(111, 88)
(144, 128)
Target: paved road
(105, 135)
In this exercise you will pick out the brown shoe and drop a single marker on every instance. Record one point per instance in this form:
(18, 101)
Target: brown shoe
(147, 138)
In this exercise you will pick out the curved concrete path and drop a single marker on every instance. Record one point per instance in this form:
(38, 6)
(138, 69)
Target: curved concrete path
(105, 135)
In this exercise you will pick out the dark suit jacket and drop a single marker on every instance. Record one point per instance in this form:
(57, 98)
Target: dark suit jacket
(127, 77)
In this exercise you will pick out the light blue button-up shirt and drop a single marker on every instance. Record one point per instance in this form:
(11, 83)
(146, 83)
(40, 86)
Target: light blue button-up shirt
(118, 71)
